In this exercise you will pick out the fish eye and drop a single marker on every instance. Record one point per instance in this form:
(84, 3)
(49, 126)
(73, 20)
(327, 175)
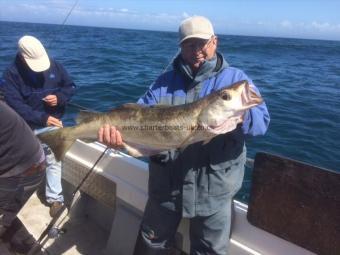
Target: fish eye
(226, 96)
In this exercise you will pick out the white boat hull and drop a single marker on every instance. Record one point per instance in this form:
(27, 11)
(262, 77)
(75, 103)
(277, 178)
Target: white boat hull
(117, 197)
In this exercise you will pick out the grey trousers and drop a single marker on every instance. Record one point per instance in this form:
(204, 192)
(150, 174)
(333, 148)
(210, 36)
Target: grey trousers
(208, 234)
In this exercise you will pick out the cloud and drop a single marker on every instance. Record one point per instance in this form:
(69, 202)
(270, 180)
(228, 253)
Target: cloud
(282, 28)
(54, 11)
(325, 26)
(320, 26)
(315, 26)
(103, 11)
(185, 15)
(313, 29)
(88, 13)
(286, 24)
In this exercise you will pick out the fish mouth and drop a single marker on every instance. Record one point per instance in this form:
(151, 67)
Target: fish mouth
(225, 126)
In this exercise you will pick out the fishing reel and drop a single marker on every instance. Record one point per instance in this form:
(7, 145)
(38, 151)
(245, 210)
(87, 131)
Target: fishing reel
(56, 232)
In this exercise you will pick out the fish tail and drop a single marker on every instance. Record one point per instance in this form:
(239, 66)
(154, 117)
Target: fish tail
(58, 141)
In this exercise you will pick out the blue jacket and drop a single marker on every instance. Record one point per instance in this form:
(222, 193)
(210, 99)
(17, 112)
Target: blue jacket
(24, 90)
(173, 88)
(197, 180)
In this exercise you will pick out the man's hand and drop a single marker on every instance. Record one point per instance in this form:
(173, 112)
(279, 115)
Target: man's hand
(51, 100)
(110, 136)
(51, 121)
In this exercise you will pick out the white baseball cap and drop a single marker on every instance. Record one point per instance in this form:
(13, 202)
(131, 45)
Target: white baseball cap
(195, 27)
(34, 53)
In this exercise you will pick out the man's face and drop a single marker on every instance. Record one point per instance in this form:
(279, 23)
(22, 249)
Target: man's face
(195, 51)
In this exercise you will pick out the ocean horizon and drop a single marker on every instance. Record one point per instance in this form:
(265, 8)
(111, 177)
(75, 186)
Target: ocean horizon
(167, 31)
(298, 79)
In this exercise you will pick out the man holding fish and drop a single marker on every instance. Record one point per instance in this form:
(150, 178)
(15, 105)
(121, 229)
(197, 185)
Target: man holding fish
(197, 181)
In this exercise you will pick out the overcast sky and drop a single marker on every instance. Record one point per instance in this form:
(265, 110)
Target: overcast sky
(315, 19)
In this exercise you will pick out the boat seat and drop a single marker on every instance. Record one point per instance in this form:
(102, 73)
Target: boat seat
(297, 202)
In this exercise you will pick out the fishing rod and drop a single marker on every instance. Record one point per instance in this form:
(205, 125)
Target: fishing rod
(64, 22)
(52, 40)
(51, 230)
(75, 105)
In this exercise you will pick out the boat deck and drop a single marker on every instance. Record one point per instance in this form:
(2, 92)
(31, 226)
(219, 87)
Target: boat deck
(80, 234)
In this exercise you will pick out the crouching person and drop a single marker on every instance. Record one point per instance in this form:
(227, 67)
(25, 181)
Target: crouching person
(22, 168)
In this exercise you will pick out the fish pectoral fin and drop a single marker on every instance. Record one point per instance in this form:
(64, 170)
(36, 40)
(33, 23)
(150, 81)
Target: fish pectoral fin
(132, 151)
(182, 148)
(206, 141)
(184, 143)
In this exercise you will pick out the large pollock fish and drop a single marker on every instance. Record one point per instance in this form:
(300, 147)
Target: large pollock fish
(150, 130)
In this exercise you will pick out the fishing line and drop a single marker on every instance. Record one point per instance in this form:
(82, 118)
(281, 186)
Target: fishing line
(80, 107)
(171, 61)
(83, 108)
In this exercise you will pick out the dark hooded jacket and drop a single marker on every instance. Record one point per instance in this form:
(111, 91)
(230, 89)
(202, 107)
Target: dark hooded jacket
(24, 90)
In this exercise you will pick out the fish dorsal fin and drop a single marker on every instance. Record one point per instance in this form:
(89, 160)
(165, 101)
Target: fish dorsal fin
(132, 106)
(85, 116)
(159, 106)
(135, 106)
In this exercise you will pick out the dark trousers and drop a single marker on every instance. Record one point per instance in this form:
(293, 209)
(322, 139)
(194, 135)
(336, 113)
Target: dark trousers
(14, 192)
(208, 234)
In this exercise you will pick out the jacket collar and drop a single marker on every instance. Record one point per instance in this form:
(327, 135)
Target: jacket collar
(208, 69)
